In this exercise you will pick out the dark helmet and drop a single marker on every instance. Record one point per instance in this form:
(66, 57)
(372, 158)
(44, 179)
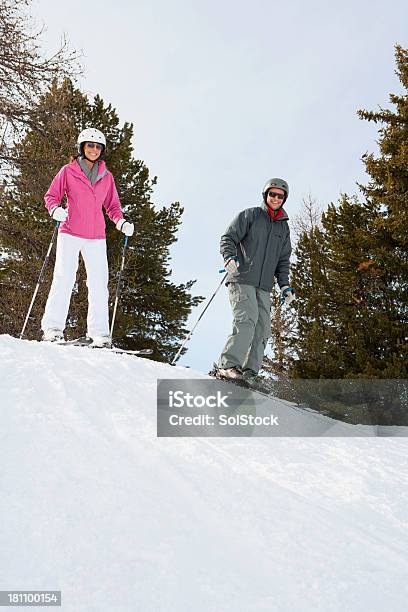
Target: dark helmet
(275, 182)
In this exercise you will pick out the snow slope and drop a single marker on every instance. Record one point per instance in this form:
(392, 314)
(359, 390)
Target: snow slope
(95, 505)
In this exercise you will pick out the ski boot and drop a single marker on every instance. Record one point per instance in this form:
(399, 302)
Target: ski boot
(53, 335)
(101, 342)
(250, 376)
(233, 375)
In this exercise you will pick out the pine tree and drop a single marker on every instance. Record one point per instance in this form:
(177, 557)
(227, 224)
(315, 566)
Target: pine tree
(354, 345)
(153, 310)
(387, 201)
(351, 275)
(283, 325)
(310, 279)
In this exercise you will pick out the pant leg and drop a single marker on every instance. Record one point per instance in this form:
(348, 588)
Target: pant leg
(262, 332)
(66, 265)
(96, 265)
(245, 312)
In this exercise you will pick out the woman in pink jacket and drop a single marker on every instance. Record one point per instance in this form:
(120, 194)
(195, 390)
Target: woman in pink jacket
(89, 187)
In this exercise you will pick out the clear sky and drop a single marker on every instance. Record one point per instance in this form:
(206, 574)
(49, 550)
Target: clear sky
(223, 95)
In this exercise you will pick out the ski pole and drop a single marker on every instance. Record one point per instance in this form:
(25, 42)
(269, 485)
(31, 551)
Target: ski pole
(40, 277)
(199, 318)
(118, 288)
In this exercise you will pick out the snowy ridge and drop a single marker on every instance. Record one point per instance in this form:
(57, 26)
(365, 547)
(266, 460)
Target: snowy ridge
(95, 505)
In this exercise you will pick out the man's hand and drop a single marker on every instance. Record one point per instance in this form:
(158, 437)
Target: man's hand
(287, 295)
(231, 265)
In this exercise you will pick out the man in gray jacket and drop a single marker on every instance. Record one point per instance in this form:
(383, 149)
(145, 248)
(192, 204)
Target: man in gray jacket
(256, 248)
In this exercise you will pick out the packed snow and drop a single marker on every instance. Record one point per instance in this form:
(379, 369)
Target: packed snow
(95, 505)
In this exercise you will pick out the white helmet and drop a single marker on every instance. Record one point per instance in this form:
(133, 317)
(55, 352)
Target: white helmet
(90, 135)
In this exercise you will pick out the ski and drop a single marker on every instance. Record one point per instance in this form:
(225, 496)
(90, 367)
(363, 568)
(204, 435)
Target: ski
(258, 387)
(87, 342)
(116, 349)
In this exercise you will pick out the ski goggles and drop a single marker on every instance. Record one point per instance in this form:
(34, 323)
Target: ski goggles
(273, 194)
(92, 145)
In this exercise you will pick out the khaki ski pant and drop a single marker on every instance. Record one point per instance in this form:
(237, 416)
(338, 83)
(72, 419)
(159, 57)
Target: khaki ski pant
(251, 309)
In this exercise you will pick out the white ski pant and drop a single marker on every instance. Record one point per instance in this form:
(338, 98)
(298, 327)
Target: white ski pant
(93, 252)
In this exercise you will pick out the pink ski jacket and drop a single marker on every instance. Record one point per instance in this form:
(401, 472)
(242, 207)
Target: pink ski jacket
(85, 201)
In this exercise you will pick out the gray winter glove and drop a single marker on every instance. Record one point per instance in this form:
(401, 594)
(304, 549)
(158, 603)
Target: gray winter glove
(287, 295)
(126, 227)
(231, 265)
(58, 213)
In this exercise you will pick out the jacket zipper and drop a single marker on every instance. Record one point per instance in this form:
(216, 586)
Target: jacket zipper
(87, 182)
(266, 249)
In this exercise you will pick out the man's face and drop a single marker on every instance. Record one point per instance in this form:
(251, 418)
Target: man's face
(275, 198)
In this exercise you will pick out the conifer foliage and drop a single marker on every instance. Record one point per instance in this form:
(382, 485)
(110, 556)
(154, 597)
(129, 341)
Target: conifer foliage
(387, 201)
(153, 310)
(351, 274)
(283, 329)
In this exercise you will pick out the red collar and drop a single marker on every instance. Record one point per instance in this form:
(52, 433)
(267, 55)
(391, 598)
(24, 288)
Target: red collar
(275, 215)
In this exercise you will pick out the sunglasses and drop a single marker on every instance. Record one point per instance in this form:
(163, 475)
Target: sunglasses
(273, 194)
(92, 145)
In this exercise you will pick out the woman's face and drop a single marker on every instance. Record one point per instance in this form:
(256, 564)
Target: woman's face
(92, 150)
